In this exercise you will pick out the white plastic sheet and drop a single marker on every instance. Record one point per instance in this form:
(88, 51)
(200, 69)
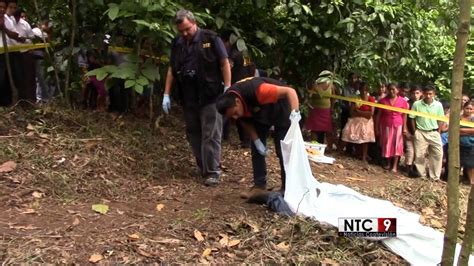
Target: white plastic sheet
(418, 244)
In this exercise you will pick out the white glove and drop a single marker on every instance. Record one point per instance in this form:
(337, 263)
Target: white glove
(166, 104)
(295, 116)
(226, 88)
(260, 147)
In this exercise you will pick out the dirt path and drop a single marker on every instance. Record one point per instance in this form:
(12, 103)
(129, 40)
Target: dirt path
(68, 160)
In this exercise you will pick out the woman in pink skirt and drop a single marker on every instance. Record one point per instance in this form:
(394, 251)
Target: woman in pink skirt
(360, 127)
(319, 121)
(392, 127)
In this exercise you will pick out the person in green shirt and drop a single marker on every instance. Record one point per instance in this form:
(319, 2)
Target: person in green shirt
(427, 137)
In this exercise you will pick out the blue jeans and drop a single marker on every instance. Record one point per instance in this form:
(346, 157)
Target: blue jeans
(258, 161)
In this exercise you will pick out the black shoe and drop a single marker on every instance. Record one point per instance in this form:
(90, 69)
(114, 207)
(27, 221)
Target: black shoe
(413, 173)
(211, 181)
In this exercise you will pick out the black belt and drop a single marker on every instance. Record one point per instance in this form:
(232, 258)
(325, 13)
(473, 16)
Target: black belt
(431, 130)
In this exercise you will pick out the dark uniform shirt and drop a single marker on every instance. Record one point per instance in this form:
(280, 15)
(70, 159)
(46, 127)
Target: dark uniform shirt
(190, 63)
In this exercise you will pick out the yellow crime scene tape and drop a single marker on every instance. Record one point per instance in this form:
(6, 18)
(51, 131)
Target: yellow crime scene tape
(120, 49)
(24, 47)
(397, 109)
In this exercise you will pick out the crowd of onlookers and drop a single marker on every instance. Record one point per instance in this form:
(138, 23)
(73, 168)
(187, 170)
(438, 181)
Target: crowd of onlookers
(381, 135)
(374, 134)
(27, 66)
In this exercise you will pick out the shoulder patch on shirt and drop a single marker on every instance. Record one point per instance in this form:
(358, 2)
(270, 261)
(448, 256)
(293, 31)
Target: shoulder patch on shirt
(256, 109)
(206, 45)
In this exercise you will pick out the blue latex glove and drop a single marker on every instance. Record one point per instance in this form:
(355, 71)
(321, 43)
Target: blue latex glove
(295, 116)
(260, 147)
(166, 104)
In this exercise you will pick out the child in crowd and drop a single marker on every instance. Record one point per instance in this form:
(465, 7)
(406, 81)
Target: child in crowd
(404, 90)
(466, 142)
(360, 126)
(415, 95)
(95, 93)
(465, 98)
(319, 121)
(391, 128)
(382, 92)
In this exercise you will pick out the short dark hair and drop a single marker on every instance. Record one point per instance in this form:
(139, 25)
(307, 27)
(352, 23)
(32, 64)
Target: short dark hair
(225, 101)
(468, 103)
(349, 76)
(415, 87)
(392, 84)
(225, 36)
(402, 85)
(4, 1)
(12, 1)
(183, 14)
(429, 87)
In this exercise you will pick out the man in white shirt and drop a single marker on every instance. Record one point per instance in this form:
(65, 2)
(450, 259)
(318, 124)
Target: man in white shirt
(5, 33)
(44, 92)
(16, 60)
(26, 90)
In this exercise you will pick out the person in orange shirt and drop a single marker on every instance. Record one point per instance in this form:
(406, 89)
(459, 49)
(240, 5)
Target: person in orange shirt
(258, 104)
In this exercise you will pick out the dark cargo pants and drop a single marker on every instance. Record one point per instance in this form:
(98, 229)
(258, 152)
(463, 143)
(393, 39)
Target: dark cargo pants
(204, 133)
(258, 161)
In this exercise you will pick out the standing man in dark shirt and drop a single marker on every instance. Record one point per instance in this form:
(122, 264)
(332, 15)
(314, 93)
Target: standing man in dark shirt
(200, 68)
(240, 69)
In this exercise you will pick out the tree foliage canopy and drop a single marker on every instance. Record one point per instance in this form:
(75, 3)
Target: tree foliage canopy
(391, 40)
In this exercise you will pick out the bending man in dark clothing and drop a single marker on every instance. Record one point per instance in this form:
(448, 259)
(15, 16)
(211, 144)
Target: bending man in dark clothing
(258, 104)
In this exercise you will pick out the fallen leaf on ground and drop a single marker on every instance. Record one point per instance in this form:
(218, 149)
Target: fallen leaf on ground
(134, 237)
(233, 243)
(422, 220)
(37, 194)
(160, 207)
(436, 223)
(283, 246)
(328, 261)
(254, 226)
(76, 222)
(100, 208)
(198, 235)
(168, 241)
(30, 127)
(206, 252)
(96, 258)
(224, 240)
(340, 166)
(427, 211)
(8, 167)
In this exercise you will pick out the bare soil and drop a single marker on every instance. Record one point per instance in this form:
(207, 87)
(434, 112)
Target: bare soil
(68, 160)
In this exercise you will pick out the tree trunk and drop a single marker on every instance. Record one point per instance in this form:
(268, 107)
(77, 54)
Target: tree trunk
(468, 231)
(9, 70)
(451, 235)
(71, 50)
